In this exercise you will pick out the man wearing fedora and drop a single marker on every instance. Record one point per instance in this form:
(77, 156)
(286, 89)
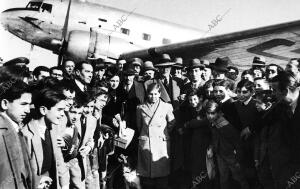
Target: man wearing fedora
(259, 62)
(136, 64)
(207, 73)
(148, 71)
(219, 68)
(171, 84)
(178, 70)
(194, 70)
(131, 93)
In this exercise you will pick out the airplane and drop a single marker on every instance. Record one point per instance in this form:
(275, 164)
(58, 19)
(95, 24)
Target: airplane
(92, 31)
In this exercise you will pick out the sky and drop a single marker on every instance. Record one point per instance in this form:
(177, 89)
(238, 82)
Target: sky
(238, 15)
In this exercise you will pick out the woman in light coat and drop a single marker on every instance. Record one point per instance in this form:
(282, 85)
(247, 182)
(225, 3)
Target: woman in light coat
(155, 120)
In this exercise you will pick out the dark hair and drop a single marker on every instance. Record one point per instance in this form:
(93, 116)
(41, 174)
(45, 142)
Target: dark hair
(212, 105)
(55, 68)
(153, 86)
(80, 101)
(13, 89)
(208, 84)
(297, 59)
(222, 82)
(285, 80)
(100, 89)
(279, 68)
(246, 72)
(111, 72)
(261, 70)
(64, 62)
(79, 65)
(67, 85)
(37, 71)
(247, 84)
(16, 72)
(199, 93)
(266, 96)
(47, 97)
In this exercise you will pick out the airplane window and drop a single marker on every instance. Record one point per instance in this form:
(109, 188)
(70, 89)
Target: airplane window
(46, 7)
(146, 37)
(166, 41)
(125, 31)
(34, 5)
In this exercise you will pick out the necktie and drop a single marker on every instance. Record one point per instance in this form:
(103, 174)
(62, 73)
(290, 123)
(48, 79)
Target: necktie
(166, 83)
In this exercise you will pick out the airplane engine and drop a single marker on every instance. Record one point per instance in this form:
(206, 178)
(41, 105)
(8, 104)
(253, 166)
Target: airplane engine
(83, 45)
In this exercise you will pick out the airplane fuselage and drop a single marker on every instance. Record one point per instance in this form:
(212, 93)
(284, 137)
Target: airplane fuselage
(41, 24)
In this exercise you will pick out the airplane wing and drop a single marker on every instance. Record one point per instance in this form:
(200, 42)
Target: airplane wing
(278, 43)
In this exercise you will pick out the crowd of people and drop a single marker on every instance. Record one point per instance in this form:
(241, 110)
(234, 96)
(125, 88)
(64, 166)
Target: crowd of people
(197, 124)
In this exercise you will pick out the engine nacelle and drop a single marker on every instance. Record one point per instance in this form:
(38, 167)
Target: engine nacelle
(83, 45)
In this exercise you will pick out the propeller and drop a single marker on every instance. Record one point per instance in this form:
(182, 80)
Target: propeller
(64, 35)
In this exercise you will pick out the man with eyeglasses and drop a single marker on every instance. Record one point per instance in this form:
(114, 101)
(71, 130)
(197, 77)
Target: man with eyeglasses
(248, 115)
(56, 72)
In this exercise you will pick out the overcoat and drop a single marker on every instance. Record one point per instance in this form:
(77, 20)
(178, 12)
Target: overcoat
(154, 141)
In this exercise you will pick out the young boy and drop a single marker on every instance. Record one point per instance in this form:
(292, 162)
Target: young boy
(226, 146)
(78, 136)
(264, 101)
(15, 166)
(41, 133)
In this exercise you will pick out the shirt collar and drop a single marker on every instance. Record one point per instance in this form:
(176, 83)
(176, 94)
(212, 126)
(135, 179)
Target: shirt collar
(80, 85)
(247, 101)
(14, 124)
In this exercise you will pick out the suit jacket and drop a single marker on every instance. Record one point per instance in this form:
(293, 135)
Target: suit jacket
(35, 149)
(154, 142)
(78, 91)
(13, 172)
(131, 100)
(90, 123)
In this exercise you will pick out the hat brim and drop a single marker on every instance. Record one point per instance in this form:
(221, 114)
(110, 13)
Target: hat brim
(154, 69)
(136, 64)
(178, 66)
(259, 64)
(166, 64)
(192, 67)
(129, 73)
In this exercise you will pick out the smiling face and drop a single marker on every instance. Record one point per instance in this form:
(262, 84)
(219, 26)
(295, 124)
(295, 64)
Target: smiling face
(19, 108)
(243, 94)
(55, 113)
(153, 96)
(194, 101)
(220, 93)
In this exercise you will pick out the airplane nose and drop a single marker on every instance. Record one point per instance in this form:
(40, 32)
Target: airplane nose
(3, 19)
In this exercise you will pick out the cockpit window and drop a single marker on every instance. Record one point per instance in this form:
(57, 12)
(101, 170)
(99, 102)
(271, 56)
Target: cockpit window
(34, 5)
(46, 7)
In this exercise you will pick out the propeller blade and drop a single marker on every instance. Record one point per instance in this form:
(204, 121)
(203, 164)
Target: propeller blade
(65, 28)
(64, 36)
